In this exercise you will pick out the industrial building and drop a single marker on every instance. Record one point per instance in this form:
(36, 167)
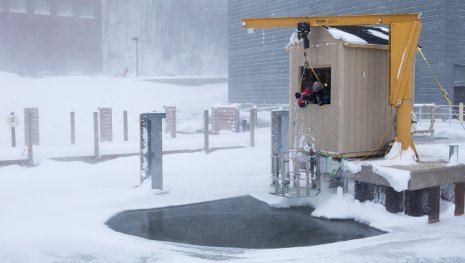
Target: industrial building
(50, 37)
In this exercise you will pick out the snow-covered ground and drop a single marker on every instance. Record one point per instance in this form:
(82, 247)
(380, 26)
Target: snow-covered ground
(55, 212)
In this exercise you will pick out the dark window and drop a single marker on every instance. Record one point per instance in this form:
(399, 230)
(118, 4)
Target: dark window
(86, 9)
(42, 7)
(18, 6)
(321, 92)
(64, 8)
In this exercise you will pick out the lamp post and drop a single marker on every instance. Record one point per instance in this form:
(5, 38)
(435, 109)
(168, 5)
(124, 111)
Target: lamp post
(136, 39)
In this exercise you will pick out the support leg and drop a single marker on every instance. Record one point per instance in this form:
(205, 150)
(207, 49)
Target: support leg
(459, 198)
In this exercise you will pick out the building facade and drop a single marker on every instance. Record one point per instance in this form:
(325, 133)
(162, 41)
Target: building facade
(50, 36)
(258, 64)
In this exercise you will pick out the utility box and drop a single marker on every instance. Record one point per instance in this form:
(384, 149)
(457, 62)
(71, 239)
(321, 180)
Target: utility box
(353, 117)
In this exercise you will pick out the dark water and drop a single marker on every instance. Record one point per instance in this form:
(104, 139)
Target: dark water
(242, 222)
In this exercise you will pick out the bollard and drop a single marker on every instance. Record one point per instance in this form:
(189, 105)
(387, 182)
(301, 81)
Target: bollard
(96, 137)
(206, 143)
(152, 154)
(30, 142)
(13, 137)
(73, 128)
(253, 121)
(125, 125)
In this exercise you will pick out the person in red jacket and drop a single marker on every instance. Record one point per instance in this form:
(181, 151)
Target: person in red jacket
(304, 98)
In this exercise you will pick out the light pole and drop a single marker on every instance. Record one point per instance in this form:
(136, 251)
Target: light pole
(136, 39)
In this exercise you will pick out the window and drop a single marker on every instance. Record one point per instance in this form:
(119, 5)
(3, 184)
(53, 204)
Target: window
(64, 8)
(86, 9)
(320, 92)
(42, 7)
(18, 6)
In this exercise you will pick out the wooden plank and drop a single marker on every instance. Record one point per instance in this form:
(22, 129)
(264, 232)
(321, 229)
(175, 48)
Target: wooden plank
(351, 55)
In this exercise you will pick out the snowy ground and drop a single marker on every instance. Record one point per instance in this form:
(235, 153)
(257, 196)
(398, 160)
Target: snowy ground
(55, 212)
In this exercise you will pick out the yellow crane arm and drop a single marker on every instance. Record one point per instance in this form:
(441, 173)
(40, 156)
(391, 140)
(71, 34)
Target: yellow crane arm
(404, 32)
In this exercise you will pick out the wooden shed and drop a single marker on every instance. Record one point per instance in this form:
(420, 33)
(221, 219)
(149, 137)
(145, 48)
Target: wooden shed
(355, 118)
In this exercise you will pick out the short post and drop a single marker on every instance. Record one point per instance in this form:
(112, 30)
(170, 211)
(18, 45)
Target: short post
(253, 121)
(206, 145)
(153, 153)
(12, 122)
(30, 143)
(73, 128)
(96, 137)
(461, 112)
(125, 125)
(13, 137)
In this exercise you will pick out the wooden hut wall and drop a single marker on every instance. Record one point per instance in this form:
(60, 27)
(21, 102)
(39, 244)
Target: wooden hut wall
(365, 113)
(316, 124)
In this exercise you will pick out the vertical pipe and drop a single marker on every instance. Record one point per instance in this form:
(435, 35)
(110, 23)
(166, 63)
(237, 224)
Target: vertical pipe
(13, 137)
(205, 131)
(461, 112)
(173, 122)
(96, 137)
(253, 114)
(125, 125)
(307, 176)
(297, 175)
(73, 128)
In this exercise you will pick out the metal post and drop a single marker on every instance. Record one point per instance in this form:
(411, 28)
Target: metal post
(296, 175)
(253, 121)
(96, 137)
(205, 131)
(30, 154)
(13, 137)
(154, 148)
(73, 128)
(307, 176)
(461, 112)
(136, 39)
(125, 125)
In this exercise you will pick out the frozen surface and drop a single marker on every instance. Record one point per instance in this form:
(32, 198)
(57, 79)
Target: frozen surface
(56, 212)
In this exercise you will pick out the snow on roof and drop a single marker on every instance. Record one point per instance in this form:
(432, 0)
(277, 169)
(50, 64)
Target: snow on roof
(374, 35)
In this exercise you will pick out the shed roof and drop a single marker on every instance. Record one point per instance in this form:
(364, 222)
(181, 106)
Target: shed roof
(374, 35)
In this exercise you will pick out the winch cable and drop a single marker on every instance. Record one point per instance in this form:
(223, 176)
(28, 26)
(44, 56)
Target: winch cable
(310, 64)
(443, 90)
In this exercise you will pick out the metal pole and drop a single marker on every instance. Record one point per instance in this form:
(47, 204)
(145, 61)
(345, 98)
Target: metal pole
(205, 131)
(253, 114)
(30, 154)
(125, 124)
(13, 137)
(73, 128)
(96, 137)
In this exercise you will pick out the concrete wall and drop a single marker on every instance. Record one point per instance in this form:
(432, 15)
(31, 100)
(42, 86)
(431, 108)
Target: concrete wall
(51, 41)
(258, 65)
